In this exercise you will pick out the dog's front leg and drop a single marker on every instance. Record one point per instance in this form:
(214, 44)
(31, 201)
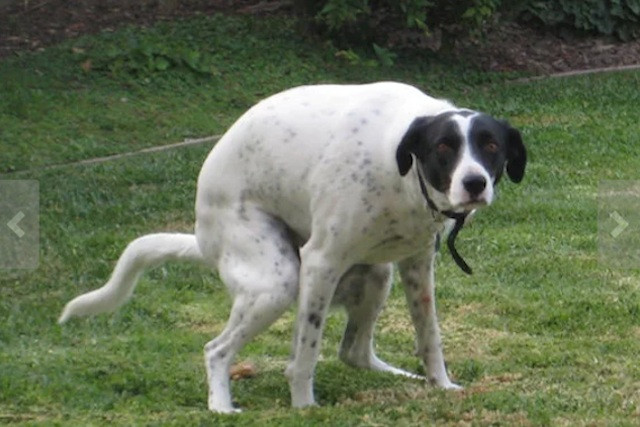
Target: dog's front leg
(318, 280)
(419, 284)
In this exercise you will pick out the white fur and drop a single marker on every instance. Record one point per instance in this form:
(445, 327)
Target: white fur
(141, 254)
(301, 200)
(467, 166)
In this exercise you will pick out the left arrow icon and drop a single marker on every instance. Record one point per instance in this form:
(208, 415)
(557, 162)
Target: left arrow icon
(13, 224)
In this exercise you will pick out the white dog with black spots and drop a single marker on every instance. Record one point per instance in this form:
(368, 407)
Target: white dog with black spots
(310, 197)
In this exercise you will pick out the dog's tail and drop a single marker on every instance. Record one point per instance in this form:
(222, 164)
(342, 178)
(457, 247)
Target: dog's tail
(141, 254)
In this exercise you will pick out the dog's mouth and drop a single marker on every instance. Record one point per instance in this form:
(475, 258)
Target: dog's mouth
(469, 206)
(473, 204)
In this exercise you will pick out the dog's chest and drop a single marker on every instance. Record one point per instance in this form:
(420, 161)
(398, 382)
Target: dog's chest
(399, 235)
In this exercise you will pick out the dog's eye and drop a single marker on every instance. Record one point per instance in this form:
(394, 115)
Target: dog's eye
(488, 144)
(490, 147)
(443, 148)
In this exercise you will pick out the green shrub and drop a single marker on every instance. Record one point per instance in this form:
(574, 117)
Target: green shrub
(142, 52)
(620, 18)
(372, 21)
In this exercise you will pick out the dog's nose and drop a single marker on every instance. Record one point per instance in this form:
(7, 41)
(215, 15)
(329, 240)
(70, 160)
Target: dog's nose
(474, 184)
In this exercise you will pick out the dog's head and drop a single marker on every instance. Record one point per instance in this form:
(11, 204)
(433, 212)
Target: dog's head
(462, 155)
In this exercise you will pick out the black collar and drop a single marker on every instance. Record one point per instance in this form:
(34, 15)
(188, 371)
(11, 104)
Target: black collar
(458, 217)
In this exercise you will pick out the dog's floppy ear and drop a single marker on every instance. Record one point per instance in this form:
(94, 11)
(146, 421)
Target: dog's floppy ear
(410, 144)
(516, 155)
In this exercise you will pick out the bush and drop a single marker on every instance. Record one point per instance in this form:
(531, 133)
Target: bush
(375, 21)
(389, 23)
(620, 18)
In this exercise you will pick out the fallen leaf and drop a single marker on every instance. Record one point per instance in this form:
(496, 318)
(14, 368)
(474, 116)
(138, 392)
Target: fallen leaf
(242, 370)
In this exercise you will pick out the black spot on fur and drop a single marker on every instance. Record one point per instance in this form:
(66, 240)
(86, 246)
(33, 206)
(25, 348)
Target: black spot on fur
(314, 319)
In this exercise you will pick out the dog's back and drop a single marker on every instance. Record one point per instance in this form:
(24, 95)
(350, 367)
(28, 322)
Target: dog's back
(279, 154)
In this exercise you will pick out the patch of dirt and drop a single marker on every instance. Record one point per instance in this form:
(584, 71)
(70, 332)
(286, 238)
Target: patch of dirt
(35, 24)
(515, 47)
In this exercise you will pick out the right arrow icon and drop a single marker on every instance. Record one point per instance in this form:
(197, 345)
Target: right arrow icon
(622, 224)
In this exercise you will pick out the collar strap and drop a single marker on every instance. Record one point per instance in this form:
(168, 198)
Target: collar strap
(451, 245)
(458, 217)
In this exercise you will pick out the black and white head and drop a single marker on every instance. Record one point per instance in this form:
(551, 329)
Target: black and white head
(461, 155)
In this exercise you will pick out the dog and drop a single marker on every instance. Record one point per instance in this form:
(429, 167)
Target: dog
(310, 197)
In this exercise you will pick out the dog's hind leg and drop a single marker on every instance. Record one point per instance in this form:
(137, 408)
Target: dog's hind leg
(249, 317)
(363, 292)
(262, 276)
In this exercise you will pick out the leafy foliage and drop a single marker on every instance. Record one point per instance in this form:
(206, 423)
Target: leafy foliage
(374, 21)
(378, 21)
(339, 13)
(612, 17)
(139, 53)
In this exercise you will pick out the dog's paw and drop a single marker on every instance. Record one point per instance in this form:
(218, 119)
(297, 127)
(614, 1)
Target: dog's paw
(453, 387)
(224, 409)
(222, 405)
(304, 405)
(302, 398)
(445, 384)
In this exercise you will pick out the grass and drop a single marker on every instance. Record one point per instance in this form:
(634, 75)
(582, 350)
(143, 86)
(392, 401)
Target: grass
(541, 334)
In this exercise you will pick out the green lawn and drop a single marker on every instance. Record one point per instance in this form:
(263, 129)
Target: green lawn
(542, 333)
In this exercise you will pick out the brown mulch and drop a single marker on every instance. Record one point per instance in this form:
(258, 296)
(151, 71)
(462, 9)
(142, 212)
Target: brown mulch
(520, 48)
(35, 24)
